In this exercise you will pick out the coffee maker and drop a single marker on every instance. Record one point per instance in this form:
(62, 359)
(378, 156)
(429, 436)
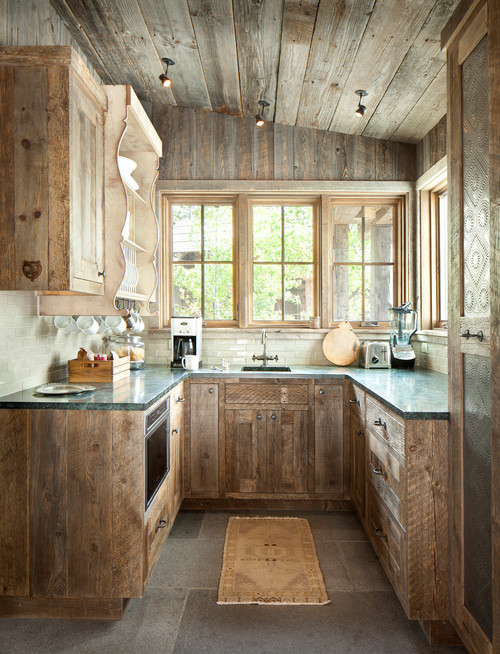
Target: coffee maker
(403, 324)
(186, 338)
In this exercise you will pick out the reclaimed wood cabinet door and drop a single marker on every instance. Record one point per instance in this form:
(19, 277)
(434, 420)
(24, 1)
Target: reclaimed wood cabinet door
(266, 451)
(358, 466)
(474, 374)
(329, 448)
(203, 460)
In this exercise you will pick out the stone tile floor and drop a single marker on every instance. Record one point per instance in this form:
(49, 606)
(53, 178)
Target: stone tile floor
(179, 614)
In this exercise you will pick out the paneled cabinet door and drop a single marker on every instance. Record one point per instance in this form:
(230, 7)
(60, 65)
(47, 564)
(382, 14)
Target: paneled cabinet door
(86, 184)
(358, 465)
(329, 478)
(204, 439)
(266, 451)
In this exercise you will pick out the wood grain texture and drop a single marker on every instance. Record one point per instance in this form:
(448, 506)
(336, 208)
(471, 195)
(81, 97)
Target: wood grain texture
(358, 466)
(7, 159)
(90, 510)
(328, 439)
(246, 455)
(204, 438)
(431, 148)
(48, 528)
(14, 505)
(128, 503)
(88, 608)
(286, 457)
(199, 145)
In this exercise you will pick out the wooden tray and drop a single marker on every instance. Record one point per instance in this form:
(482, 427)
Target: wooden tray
(98, 371)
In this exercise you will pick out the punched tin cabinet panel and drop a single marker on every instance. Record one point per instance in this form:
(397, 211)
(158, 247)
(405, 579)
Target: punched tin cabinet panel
(266, 394)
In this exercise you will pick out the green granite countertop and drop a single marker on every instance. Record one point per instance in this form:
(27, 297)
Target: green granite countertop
(412, 394)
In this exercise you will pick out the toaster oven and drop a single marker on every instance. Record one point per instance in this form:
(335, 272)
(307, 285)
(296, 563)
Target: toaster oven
(375, 354)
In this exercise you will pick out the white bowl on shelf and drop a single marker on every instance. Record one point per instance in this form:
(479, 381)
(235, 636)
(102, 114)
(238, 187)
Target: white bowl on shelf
(126, 166)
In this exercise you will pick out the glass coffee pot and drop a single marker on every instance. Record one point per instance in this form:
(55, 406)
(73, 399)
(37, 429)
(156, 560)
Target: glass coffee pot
(403, 323)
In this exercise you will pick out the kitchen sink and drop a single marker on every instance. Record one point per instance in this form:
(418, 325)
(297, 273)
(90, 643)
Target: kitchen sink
(266, 369)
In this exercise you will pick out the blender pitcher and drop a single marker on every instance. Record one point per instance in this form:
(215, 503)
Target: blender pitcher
(403, 324)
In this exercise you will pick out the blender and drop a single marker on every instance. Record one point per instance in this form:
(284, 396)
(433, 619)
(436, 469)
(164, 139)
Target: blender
(403, 324)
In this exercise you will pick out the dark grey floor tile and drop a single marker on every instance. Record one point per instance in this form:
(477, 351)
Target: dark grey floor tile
(334, 525)
(354, 623)
(364, 569)
(189, 564)
(149, 625)
(187, 524)
(332, 566)
(215, 524)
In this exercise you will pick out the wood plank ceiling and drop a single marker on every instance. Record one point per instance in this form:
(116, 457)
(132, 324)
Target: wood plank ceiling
(306, 57)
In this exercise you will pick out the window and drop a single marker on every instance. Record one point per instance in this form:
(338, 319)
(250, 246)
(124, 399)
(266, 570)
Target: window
(283, 274)
(363, 262)
(247, 260)
(202, 261)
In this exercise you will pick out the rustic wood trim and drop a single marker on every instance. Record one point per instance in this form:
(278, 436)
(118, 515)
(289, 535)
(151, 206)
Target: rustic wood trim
(88, 608)
(458, 20)
(325, 263)
(475, 32)
(260, 504)
(433, 175)
(279, 186)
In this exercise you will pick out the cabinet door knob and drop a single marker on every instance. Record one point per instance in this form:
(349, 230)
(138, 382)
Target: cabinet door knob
(360, 432)
(161, 525)
(379, 423)
(322, 392)
(180, 399)
(259, 416)
(175, 431)
(354, 402)
(379, 471)
(274, 417)
(380, 533)
(101, 273)
(210, 390)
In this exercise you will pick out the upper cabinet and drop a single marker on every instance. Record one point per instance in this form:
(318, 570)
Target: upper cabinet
(52, 159)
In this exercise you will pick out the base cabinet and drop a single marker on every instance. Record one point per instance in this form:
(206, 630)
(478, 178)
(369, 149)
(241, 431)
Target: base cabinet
(202, 461)
(75, 535)
(331, 449)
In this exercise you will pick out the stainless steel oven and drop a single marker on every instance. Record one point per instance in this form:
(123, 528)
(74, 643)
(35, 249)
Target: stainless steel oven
(157, 448)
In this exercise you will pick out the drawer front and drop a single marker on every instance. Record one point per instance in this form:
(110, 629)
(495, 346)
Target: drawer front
(266, 394)
(387, 538)
(177, 402)
(157, 527)
(357, 401)
(386, 476)
(378, 420)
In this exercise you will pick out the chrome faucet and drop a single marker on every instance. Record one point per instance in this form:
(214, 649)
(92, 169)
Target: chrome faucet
(264, 357)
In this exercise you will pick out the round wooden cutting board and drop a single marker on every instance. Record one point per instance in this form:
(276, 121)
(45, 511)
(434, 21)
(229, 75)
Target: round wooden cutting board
(341, 345)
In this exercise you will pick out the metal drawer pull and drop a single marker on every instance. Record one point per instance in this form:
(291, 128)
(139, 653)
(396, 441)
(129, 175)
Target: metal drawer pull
(360, 432)
(181, 399)
(175, 431)
(379, 471)
(468, 335)
(161, 525)
(259, 416)
(355, 402)
(210, 390)
(380, 533)
(379, 423)
(322, 392)
(274, 417)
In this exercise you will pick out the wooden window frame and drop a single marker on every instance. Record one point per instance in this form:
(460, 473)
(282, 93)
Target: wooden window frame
(322, 202)
(400, 254)
(429, 192)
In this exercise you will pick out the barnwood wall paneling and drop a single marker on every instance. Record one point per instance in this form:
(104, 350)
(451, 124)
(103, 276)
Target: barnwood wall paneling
(431, 148)
(198, 144)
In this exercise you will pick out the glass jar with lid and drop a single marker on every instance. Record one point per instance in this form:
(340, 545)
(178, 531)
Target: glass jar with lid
(129, 345)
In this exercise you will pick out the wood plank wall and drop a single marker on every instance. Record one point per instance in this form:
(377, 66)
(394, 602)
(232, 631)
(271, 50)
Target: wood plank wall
(198, 144)
(431, 148)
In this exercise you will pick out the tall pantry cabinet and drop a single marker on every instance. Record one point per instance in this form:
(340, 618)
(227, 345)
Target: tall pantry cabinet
(472, 40)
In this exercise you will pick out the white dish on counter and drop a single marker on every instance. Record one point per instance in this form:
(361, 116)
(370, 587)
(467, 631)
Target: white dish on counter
(63, 389)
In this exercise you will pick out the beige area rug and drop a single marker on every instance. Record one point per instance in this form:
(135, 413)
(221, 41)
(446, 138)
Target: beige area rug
(270, 561)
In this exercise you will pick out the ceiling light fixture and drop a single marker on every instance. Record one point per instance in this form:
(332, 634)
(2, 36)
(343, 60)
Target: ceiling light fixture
(360, 111)
(259, 120)
(166, 82)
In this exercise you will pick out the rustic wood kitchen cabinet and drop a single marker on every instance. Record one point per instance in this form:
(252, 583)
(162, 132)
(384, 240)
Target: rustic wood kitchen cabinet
(76, 539)
(52, 160)
(406, 508)
(358, 450)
